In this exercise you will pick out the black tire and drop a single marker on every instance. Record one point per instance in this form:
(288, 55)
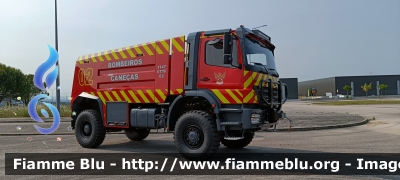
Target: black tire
(238, 144)
(137, 134)
(196, 135)
(94, 134)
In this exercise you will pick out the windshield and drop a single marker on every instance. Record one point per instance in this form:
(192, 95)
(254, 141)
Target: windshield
(258, 53)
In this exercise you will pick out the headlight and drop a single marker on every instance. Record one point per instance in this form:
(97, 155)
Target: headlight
(255, 118)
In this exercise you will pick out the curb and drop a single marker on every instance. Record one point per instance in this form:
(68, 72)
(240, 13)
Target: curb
(276, 130)
(30, 120)
(35, 134)
(60, 134)
(323, 127)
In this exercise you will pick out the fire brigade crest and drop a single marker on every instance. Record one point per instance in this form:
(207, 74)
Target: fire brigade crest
(220, 77)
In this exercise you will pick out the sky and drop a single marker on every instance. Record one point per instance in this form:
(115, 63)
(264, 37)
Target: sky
(313, 38)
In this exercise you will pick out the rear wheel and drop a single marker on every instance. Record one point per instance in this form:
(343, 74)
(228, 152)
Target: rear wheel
(89, 129)
(137, 134)
(238, 144)
(196, 135)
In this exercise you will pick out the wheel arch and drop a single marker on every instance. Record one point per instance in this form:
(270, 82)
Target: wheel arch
(178, 103)
(86, 101)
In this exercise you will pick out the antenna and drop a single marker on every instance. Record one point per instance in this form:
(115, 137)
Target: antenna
(259, 27)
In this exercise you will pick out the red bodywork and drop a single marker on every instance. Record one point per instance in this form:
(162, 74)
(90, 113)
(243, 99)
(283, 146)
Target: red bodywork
(160, 75)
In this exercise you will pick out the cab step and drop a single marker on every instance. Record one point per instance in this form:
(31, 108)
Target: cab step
(233, 138)
(231, 110)
(231, 123)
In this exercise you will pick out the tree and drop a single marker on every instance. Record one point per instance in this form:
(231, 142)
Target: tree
(10, 82)
(2, 73)
(28, 89)
(366, 87)
(347, 88)
(382, 87)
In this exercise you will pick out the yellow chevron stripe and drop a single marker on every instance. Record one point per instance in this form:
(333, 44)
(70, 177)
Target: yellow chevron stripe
(248, 97)
(106, 55)
(93, 93)
(101, 97)
(114, 54)
(93, 58)
(131, 54)
(99, 56)
(182, 38)
(108, 96)
(176, 45)
(152, 96)
(143, 96)
(258, 79)
(161, 94)
(249, 80)
(156, 100)
(121, 52)
(146, 48)
(171, 92)
(245, 72)
(86, 57)
(220, 96)
(125, 96)
(233, 96)
(137, 49)
(241, 95)
(179, 90)
(166, 46)
(80, 60)
(158, 49)
(265, 77)
(116, 96)
(134, 96)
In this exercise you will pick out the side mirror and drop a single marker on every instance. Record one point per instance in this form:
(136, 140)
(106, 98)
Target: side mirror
(227, 48)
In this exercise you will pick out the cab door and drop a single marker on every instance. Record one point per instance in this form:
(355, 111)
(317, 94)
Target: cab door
(222, 79)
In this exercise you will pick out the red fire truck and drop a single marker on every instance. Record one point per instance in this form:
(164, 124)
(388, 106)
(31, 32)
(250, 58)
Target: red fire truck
(208, 88)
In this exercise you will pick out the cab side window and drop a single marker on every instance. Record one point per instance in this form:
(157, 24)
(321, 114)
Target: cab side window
(215, 53)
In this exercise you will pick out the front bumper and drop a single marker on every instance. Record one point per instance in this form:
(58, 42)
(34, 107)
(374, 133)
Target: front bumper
(258, 119)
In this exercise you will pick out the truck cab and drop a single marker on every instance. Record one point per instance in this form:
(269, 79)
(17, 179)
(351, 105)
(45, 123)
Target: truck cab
(209, 88)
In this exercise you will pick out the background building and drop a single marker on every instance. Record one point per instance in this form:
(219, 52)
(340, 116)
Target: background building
(335, 85)
(292, 85)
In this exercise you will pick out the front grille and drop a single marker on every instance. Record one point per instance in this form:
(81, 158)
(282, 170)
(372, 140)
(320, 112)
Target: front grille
(265, 92)
(264, 96)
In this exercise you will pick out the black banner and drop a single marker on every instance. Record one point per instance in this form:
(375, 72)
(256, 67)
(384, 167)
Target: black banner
(220, 164)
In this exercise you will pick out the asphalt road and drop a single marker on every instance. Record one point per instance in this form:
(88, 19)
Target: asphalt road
(378, 136)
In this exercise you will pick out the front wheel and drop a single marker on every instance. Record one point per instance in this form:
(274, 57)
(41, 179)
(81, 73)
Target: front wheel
(196, 135)
(89, 129)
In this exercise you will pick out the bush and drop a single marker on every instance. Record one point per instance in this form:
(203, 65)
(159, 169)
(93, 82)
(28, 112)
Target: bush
(22, 111)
